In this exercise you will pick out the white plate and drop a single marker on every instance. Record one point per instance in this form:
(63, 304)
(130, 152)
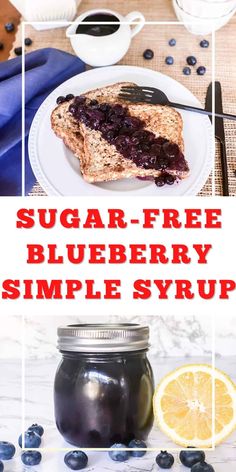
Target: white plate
(57, 170)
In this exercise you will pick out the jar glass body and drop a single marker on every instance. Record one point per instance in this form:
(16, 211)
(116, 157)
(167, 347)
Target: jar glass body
(101, 398)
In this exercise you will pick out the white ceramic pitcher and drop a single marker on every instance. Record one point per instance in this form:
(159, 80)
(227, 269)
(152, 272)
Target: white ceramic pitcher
(105, 50)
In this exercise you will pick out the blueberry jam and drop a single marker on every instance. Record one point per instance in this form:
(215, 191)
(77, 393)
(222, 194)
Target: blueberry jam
(129, 136)
(104, 385)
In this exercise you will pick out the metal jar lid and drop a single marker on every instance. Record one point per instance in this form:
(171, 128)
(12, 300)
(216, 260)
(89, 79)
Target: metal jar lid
(121, 337)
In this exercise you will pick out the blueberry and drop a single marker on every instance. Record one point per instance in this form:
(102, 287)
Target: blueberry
(70, 96)
(118, 110)
(204, 43)
(1, 466)
(165, 460)
(1, 46)
(186, 71)
(189, 458)
(169, 60)
(115, 119)
(7, 450)
(136, 443)
(31, 458)
(161, 141)
(162, 163)
(119, 456)
(202, 467)
(60, 100)
(32, 440)
(72, 109)
(201, 70)
(156, 150)
(9, 27)
(28, 41)
(191, 60)
(93, 103)
(80, 100)
(172, 42)
(110, 135)
(76, 460)
(36, 428)
(132, 122)
(169, 179)
(105, 107)
(96, 115)
(146, 161)
(170, 149)
(160, 182)
(148, 54)
(134, 141)
(18, 51)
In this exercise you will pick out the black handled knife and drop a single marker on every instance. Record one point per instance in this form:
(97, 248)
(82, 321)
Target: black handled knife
(219, 131)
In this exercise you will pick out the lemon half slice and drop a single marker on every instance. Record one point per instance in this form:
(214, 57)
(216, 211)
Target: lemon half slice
(182, 406)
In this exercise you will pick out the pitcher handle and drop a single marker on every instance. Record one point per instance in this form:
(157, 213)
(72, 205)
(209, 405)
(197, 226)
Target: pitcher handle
(135, 16)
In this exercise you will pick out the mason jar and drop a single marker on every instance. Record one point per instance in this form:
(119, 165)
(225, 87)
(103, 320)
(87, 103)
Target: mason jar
(104, 384)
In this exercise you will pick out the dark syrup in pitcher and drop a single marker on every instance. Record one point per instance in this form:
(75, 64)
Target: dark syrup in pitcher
(99, 29)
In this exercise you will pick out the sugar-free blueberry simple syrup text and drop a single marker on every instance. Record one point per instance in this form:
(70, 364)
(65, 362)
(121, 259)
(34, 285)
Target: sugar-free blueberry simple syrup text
(152, 255)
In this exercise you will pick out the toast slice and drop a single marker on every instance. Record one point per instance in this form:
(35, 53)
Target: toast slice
(102, 161)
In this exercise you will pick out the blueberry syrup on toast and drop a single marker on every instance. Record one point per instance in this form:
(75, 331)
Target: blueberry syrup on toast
(130, 138)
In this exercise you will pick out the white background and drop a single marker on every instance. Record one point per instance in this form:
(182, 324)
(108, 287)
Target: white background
(172, 334)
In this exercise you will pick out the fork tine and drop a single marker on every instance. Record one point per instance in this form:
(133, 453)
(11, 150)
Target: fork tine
(130, 87)
(149, 89)
(133, 89)
(136, 92)
(132, 92)
(128, 97)
(136, 88)
(134, 98)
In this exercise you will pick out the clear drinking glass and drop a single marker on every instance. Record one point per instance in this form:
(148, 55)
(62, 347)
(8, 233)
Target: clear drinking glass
(204, 16)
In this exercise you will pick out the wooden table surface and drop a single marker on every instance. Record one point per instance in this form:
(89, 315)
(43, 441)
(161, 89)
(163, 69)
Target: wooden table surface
(7, 14)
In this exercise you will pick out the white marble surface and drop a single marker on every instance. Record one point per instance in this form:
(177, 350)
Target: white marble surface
(39, 408)
(176, 334)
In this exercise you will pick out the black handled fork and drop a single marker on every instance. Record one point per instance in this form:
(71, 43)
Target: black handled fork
(157, 97)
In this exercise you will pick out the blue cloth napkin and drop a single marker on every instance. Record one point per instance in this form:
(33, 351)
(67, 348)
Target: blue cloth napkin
(45, 69)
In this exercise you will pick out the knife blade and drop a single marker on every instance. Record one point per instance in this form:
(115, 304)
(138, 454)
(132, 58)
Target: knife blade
(219, 130)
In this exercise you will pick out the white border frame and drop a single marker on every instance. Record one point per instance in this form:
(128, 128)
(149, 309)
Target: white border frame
(165, 23)
(213, 63)
(148, 449)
